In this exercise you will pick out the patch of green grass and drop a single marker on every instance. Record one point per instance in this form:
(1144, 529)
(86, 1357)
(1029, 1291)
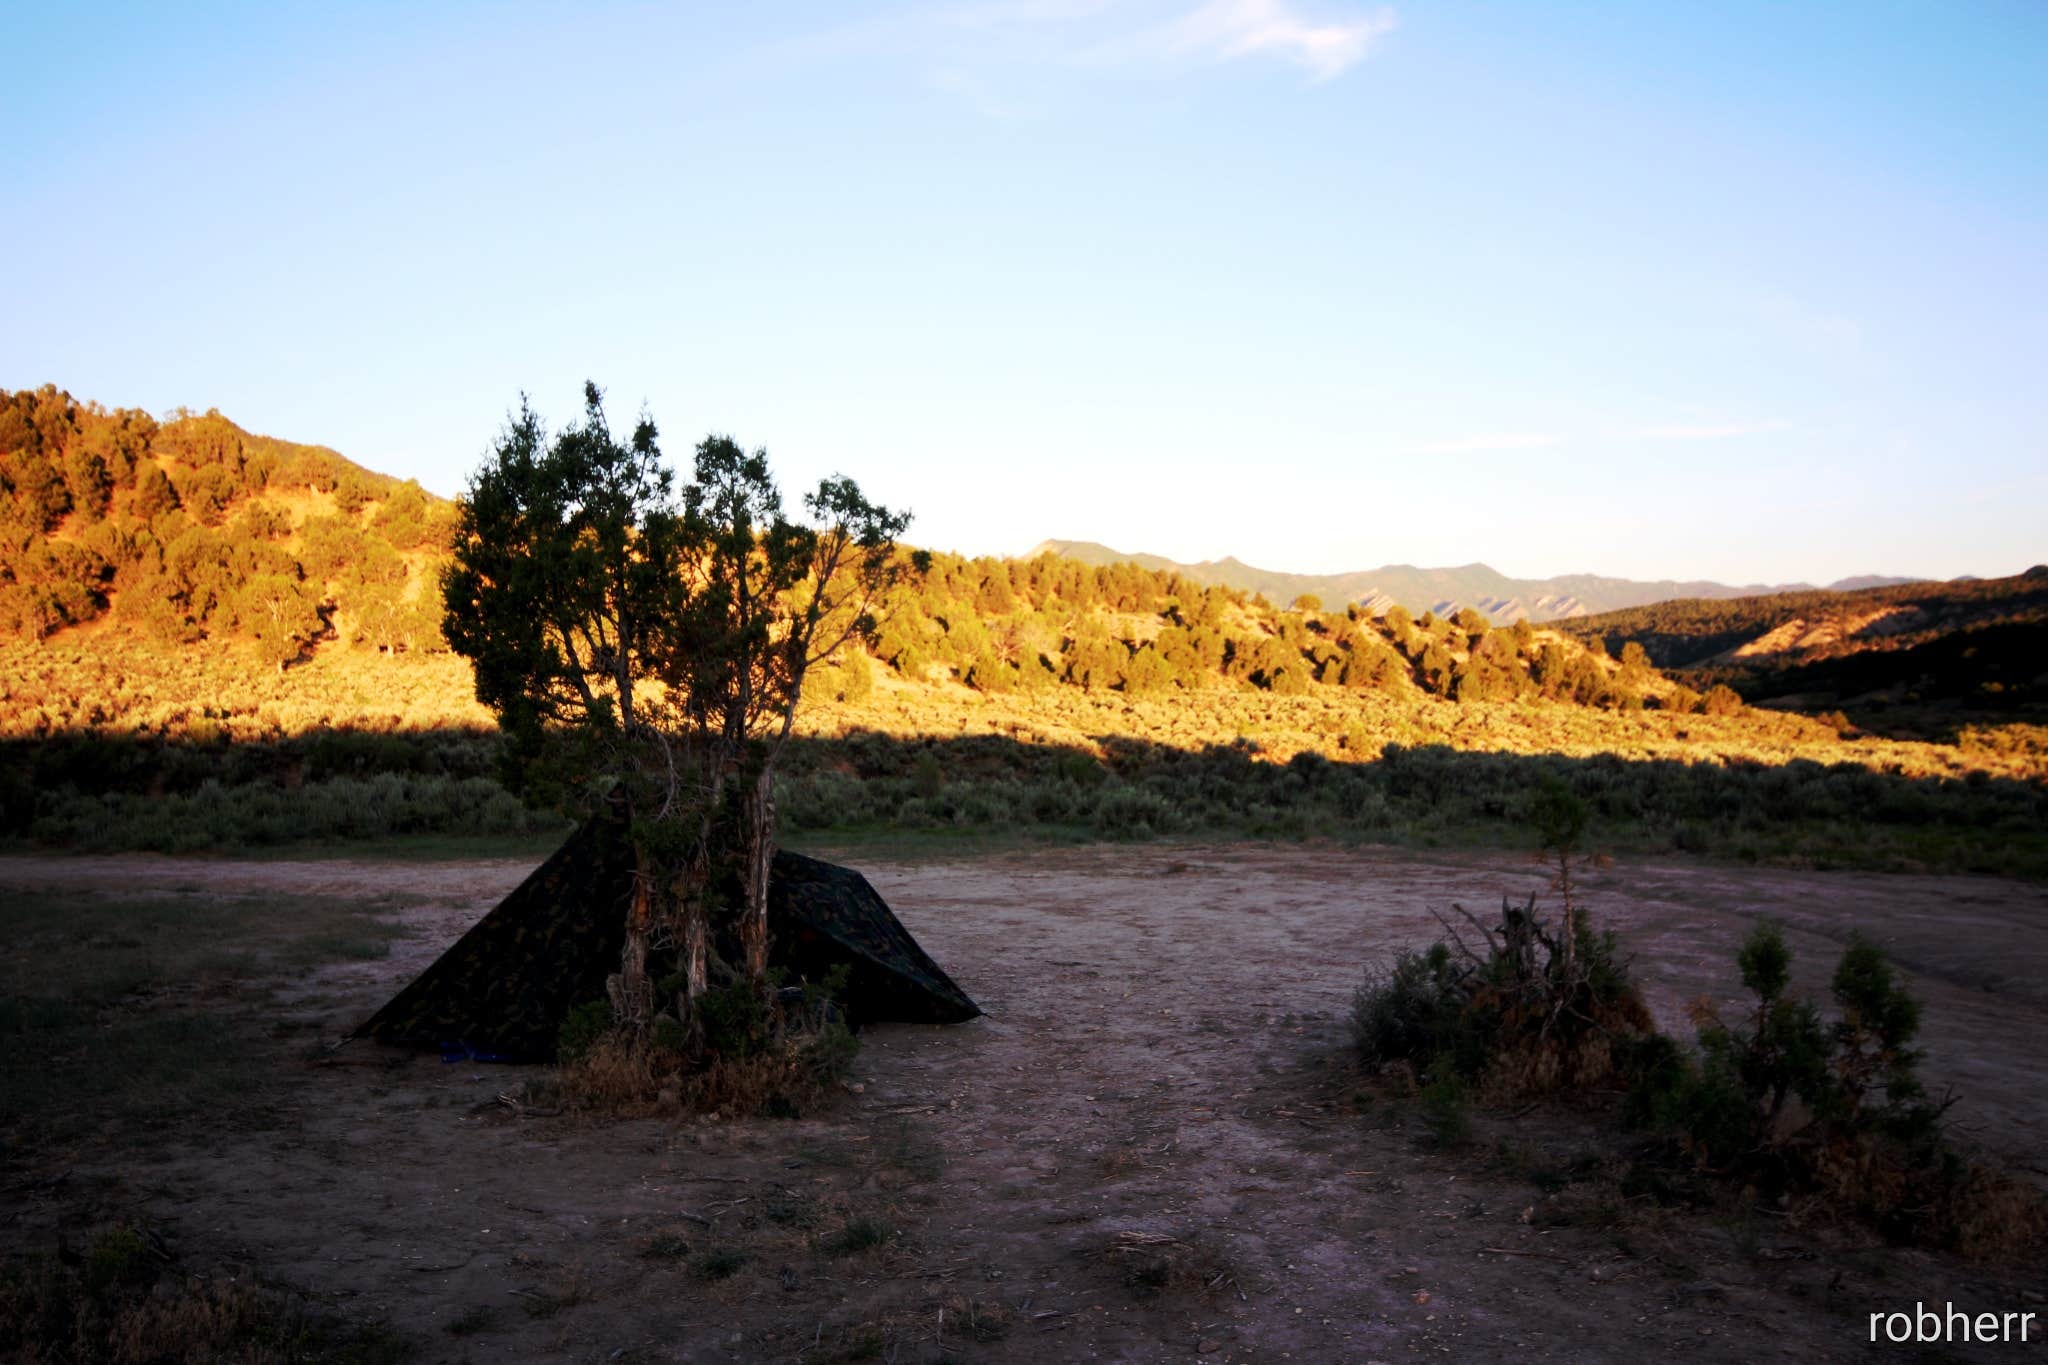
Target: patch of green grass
(108, 1005)
(413, 848)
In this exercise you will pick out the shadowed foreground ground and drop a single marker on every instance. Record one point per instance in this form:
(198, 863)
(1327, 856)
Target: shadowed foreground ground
(1149, 1150)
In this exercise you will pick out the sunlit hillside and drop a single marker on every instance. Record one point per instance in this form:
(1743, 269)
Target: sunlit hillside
(216, 639)
(191, 579)
(1920, 659)
(194, 529)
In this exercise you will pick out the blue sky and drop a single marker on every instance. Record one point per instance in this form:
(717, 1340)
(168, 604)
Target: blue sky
(1750, 292)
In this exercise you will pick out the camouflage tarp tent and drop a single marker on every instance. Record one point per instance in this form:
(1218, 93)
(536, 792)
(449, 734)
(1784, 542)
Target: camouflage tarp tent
(503, 989)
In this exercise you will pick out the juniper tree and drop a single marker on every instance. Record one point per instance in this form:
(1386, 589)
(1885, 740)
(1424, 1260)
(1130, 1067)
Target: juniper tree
(647, 649)
(769, 597)
(565, 590)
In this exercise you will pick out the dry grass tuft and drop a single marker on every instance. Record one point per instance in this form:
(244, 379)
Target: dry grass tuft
(122, 1304)
(618, 1076)
(1155, 1264)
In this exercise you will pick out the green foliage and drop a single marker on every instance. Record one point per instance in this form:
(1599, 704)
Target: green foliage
(1557, 814)
(1412, 1009)
(185, 505)
(565, 593)
(955, 618)
(1792, 1102)
(1687, 631)
(102, 791)
(738, 1020)
(1782, 1100)
(174, 527)
(583, 1028)
(1528, 1015)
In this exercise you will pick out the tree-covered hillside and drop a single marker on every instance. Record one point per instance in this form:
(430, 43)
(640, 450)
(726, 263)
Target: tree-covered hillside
(194, 528)
(1780, 630)
(1917, 658)
(1003, 625)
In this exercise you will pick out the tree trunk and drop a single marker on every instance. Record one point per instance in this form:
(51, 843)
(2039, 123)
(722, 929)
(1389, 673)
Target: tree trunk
(689, 906)
(760, 851)
(631, 994)
(691, 891)
(696, 938)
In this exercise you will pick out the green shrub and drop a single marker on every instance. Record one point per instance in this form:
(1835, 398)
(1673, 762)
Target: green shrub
(1127, 812)
(737, 1020)
(1412, 1009)
(1790, 1102)
(584, 1027)
(1536, 1011)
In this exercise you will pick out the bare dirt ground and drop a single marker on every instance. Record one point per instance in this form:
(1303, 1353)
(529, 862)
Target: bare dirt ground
(1151, 1149)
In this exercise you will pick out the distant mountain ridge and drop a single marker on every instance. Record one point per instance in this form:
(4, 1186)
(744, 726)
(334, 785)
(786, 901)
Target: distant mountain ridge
(1504, 600)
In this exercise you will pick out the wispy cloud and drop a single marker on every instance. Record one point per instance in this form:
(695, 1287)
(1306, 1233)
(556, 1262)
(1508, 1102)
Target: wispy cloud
(1018, 60)
(1113, 33)
(1224, 30)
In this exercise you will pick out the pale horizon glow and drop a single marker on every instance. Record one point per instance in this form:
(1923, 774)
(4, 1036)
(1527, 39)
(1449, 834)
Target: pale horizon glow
(1750, 295)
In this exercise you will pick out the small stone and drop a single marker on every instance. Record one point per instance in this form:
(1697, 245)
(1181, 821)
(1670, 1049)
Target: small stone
(1421, 1296)
(1207, 1345)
